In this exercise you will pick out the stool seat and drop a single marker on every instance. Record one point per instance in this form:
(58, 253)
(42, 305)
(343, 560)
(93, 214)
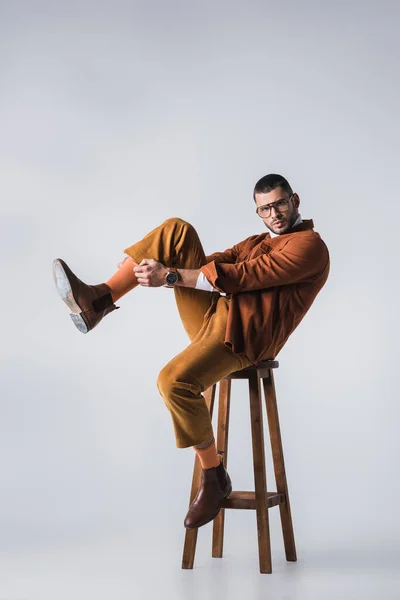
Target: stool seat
(262, 367)
(260, 499)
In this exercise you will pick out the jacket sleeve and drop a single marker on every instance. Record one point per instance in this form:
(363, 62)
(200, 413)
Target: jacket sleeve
(227, 256)
(230, 255)
(298, 261)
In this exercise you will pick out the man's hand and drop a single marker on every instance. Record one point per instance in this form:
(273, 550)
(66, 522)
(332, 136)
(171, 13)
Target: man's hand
(150, 273)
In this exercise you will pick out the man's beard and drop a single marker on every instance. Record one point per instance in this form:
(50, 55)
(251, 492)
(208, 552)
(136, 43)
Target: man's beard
(288, 224)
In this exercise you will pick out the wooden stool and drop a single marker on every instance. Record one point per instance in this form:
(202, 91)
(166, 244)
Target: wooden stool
(260, 500)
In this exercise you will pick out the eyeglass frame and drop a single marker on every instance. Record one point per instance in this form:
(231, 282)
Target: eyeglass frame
(272, 204)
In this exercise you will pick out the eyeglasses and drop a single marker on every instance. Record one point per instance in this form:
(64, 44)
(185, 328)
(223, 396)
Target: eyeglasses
(280, 206)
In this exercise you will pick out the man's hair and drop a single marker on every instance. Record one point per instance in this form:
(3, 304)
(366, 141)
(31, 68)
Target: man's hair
(270, 182)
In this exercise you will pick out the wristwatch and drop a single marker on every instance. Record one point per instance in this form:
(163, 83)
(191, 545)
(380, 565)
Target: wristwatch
(172, 277)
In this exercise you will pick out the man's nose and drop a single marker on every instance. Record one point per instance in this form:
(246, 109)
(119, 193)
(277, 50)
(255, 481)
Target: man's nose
(276, 211)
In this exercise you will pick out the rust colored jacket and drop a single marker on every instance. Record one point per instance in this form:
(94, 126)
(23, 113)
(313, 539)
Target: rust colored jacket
(271, 282)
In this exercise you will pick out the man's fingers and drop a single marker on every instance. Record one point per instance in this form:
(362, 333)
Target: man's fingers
(144, 263)
(147, 272)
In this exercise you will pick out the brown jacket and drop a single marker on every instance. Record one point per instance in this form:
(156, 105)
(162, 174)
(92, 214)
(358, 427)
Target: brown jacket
(271, 282)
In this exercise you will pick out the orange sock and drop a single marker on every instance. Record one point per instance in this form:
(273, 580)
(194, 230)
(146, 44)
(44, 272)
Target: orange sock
(208, 456)
(123, 280)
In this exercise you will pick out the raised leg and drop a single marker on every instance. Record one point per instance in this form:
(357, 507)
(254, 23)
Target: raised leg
(189, 548)
(279, 466)
(222, 446)
(175, 243)
(260, 479)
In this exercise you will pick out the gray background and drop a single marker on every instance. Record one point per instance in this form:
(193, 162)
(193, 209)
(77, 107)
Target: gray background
(115, 116)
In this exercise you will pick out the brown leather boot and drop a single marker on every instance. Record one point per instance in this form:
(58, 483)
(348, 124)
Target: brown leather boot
(87, 303)
(215, 486)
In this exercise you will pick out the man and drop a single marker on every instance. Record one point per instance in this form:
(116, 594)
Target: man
(238, 307)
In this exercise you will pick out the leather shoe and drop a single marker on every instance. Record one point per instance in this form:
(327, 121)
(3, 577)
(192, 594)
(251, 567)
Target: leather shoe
(215, 486)
(87, 303)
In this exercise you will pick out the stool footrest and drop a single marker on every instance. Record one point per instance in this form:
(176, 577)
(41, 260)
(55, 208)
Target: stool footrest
(247, 500)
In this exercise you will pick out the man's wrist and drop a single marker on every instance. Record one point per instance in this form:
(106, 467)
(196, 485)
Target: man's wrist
(186, 278)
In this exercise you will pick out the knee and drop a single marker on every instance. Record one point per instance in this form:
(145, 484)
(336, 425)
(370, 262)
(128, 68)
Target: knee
(164, 382)
(177, 222)
(173, 382)
(168, 382)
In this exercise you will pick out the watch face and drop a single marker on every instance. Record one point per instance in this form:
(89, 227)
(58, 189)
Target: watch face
(171, 278)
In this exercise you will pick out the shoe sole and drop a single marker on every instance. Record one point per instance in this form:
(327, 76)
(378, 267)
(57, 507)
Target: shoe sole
(64, 289)
(212, 518)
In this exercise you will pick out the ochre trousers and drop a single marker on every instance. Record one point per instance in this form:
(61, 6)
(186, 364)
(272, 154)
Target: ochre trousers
(206, 360)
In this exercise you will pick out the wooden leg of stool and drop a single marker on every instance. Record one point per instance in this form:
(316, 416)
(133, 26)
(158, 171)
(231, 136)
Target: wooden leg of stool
(222, 446)
(260, 478)
(279, 465)
(189, 548)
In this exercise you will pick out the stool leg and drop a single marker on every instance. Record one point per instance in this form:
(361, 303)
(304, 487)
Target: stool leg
(189, 548)
(279, 465)
(222, 446)
(260, 478)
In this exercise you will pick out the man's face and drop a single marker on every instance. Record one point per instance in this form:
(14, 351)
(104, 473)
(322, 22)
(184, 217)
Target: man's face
(279, 220)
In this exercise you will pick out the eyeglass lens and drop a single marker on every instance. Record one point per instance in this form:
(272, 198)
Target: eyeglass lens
(280, 206)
